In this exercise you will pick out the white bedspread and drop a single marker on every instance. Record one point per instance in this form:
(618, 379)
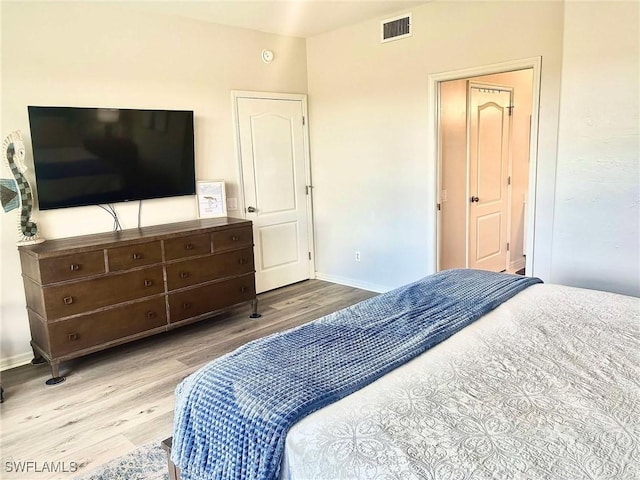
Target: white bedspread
(547, 386)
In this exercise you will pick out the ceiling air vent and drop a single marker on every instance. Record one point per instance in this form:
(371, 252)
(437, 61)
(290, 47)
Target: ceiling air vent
(396, 28)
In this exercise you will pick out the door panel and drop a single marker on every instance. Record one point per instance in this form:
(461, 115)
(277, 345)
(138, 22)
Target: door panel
(489, 142)
(489, 145)
(489, 236)
(278, 245)
(272, 155)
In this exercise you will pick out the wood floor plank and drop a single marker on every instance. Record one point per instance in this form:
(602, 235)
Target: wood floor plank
(96, 453)
(148, 431)
(116, 400)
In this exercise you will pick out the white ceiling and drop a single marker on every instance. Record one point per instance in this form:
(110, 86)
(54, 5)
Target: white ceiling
(298, 18)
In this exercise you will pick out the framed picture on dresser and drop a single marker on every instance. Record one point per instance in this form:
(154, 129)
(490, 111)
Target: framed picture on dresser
(212, 200)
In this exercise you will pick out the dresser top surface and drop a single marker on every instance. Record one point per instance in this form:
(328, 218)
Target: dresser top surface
(131, 236)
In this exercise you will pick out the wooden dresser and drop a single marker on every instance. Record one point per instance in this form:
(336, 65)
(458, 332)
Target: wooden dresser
(92, 292)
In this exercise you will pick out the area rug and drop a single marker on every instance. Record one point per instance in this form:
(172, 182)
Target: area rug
(148, 462)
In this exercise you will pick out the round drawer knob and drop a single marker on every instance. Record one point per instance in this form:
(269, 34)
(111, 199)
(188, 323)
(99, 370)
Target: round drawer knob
(184, 274)
(148, 283)
(74, 267)
(67, 300)
(151, 315)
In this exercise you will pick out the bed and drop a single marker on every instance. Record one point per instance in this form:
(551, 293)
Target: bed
(543, 384)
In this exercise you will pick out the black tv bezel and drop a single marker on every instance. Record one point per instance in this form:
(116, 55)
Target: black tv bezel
(109, 198)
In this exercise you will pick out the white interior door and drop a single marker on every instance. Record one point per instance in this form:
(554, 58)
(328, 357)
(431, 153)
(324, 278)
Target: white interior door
(273, 157)
(489, 143)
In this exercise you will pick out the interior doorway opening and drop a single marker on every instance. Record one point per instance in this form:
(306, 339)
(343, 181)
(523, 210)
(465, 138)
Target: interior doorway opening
(486, 149)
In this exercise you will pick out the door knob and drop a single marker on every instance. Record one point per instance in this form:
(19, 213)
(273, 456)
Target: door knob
(251, 209)
(474, 199)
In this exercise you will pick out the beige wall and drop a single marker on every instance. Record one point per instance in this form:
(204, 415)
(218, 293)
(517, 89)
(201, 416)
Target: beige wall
(453, 173)
(107, 54)
(596, 235)
(369, 121)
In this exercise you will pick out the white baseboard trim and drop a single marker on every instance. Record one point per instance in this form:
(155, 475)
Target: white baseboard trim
(350, 282)
(16, 360)
(517, 264)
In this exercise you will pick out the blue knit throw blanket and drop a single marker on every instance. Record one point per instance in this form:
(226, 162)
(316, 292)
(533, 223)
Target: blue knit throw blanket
(232, 416)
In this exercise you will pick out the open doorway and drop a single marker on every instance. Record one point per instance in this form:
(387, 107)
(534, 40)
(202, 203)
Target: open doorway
(484, 146)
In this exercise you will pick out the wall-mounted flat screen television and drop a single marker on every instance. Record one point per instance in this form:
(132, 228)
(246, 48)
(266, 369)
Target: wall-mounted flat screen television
(90, 156)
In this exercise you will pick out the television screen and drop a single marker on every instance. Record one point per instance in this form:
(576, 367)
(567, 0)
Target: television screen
(89, 156)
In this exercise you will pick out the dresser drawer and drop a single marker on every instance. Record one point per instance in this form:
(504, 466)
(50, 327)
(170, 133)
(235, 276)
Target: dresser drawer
(131, 256)
(79, 297)
(98, 328)
(199, 270)
(69, 267)
(232, 238)
(184, 247)
(208, 298)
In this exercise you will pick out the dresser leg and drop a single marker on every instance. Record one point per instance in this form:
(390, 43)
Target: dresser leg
(55, 374)
(254, 309)
(37, 358)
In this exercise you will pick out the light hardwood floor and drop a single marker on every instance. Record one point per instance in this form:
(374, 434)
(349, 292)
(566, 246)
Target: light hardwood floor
(116, 400)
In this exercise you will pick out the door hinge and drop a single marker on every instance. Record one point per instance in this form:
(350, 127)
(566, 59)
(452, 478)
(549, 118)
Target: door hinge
(510, 108)
(303, 120)
(309, 255)
(438, 206)
(509, 180)
(307, 189)
(507, 246)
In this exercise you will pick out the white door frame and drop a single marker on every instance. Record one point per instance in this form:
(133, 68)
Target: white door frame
(433, 151)
(235, 95)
